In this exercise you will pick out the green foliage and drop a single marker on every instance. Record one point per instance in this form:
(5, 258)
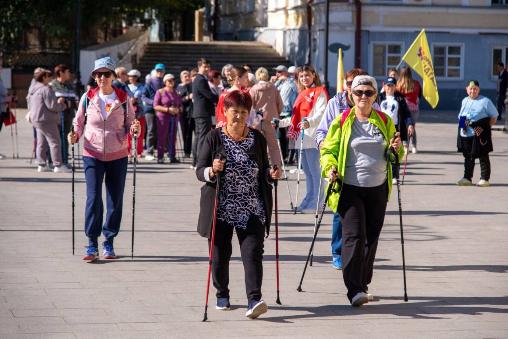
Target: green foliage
(55, 19)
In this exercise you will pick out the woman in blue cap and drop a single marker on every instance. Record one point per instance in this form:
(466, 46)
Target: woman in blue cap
(104, 118)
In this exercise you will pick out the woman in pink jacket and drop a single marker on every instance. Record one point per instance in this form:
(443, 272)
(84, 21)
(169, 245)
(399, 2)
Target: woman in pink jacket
(104, 118)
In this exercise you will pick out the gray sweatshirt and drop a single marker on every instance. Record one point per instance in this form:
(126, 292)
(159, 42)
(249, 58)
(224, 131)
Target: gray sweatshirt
(42, 104)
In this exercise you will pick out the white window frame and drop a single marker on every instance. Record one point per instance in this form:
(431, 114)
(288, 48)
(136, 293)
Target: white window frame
(386, 43)
(462, 50)
(504, 58)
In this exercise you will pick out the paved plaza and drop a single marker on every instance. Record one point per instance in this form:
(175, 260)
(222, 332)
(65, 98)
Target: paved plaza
(456, 254)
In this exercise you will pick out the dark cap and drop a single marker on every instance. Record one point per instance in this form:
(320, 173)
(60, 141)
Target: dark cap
(391, 81)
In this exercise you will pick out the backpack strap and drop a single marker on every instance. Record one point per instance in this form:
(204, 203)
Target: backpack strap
(85, 107)
(344, 116)
(382, 116)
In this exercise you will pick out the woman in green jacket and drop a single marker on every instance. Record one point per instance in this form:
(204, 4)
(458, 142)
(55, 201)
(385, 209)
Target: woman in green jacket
(357, 152)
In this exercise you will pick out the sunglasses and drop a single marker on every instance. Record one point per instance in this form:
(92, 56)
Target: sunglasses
(368, 93)
(105, 74)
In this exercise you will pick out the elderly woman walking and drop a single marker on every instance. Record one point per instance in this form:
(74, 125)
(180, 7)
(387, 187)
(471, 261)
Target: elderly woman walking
(45, 110)
(267, 102)
(245, 200)
(357, 151)
(168, 105)
(104, 117)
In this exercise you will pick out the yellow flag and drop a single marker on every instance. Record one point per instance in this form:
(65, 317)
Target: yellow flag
(340, 72)
(419, 59)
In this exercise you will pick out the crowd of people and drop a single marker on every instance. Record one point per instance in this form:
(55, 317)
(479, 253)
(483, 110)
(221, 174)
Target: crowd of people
(240, 128)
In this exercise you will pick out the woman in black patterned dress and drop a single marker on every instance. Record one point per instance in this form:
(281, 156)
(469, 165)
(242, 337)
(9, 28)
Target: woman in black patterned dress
(245, 199)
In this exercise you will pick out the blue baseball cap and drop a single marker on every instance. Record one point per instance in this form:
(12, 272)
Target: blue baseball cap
(391, 81)
(105, 62)
(160, 67)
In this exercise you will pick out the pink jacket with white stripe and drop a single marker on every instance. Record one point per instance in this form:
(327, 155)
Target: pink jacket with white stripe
(105, 139)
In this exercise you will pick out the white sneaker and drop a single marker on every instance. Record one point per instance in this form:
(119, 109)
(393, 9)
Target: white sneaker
(295, 170)
(414, 150)
(44, 168)
(464, 182)
(359, 299)
(371, 297)
(149, 157)
(483, 183)
(61, 169)
(255, 309)
(394, 181)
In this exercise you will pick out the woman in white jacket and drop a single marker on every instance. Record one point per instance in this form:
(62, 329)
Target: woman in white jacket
(308, 110)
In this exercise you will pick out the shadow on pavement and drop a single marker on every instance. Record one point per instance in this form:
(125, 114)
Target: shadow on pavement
(433, 307)
(449, 268)
(444, 213)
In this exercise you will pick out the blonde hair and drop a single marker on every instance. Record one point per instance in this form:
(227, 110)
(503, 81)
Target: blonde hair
(405, 84)
(262, 74)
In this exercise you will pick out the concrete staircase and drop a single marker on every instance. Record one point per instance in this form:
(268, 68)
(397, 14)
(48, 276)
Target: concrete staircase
(181, 55)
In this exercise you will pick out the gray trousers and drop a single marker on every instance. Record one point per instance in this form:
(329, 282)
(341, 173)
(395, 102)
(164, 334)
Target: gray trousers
(48, 135)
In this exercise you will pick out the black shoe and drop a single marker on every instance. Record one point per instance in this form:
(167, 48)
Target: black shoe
(174, 161)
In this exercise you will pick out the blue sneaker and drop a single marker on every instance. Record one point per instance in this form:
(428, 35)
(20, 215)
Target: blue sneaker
(92, 254)
(109, 252)
(337, 262)
(223, 304)
(256, 308)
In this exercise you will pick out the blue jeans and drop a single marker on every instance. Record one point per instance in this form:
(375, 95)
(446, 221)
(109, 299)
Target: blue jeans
(115, 173)
(336, 235)
(312, 170)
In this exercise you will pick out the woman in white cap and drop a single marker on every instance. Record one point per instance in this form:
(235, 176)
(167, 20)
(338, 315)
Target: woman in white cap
(137, 88)
(357, 152)
(168, 105)
(104, 118)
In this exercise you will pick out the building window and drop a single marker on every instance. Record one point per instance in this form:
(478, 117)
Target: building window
(499, 54)
(499, 2)
(385, 55)
(448, 61)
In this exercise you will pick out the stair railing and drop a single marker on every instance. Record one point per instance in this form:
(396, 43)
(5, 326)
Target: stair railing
(135, 52)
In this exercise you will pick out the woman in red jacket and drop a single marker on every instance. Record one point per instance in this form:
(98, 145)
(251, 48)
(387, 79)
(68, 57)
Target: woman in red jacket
(412, 91)
(238, 79)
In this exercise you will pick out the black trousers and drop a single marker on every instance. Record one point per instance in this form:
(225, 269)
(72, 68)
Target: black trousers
(284, 142)
(500, 105)
(469, 161)
(151, 133)
(202, 126)
(187, 125)
(251, 248)
(362, 211)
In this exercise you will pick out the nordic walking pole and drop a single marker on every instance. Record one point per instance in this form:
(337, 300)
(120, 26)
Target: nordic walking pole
(405, 161)
(73, 194)
(276, 206)
(14, 111)
(316, 216)
(275, 124)
(328, 192)
(298, 168)
(134, 162)
(12, 139)
(212, 241)
(401, 228)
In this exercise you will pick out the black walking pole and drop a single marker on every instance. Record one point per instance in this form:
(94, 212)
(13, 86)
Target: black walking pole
(276, 206)
(323, 207)
(73, 194)
(212, 242)
(401, 228)
(134, 162)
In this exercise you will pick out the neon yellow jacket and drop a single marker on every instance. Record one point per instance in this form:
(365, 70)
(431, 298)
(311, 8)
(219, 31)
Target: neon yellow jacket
(335, 145)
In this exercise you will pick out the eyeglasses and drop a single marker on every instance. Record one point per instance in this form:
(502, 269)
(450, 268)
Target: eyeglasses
(349, 83)
(368, 93)
(100, 74)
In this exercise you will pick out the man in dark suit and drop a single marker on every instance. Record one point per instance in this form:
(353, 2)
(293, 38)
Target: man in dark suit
(502, 84)
(203, 106)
